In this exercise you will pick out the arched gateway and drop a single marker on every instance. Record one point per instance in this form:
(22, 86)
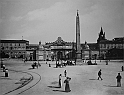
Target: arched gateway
(57, 50)
(60, 49)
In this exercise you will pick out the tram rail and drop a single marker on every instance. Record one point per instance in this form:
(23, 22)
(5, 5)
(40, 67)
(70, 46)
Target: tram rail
(25, 84)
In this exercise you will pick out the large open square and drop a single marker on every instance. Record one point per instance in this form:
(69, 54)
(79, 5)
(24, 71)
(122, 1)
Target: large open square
(45, 79)
(61, 47)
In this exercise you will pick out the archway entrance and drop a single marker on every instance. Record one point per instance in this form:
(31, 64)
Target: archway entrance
(59, 55)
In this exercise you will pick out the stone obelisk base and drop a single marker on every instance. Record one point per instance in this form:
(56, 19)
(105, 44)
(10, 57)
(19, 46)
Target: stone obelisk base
(78, 59)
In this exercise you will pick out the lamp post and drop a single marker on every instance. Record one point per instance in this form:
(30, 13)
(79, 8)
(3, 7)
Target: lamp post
(90, 54)
(95, 55)
(1, 57)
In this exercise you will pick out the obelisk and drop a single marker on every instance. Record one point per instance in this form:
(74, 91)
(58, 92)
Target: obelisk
(78, 45)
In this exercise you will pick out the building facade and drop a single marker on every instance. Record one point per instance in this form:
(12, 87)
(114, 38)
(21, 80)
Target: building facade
(63, 50)
(56, 50)
(13, 48)
(44, 52)
(106, 45)
(32, 52)
(90, 50)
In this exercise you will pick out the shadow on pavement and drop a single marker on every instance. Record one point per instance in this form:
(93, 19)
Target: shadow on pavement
(5, 78)
(2, 76)
(110, 85)
(120, 71)
(53, 86)
(59, 90)
(30, 68)
(55, 82)
(93, 79)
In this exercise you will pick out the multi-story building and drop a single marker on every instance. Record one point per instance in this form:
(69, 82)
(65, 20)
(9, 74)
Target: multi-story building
(105, 45)
(13, 48)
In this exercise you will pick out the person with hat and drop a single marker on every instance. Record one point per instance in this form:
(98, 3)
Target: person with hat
(67, 87)
(118, 80)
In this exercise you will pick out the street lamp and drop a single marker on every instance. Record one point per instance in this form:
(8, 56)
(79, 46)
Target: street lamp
(95, 55)
(1, 57)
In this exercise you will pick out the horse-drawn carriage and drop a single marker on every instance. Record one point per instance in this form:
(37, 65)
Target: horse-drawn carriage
(90, 63)
(35, 65)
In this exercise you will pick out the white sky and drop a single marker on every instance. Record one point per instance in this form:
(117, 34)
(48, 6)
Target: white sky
(45, 20)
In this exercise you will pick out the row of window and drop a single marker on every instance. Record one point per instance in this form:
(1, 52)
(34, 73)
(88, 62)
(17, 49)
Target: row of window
(13, 44)
(109, 46)
(14, 48)
(15, 52)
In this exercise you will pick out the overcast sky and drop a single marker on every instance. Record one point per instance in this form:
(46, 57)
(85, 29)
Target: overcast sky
(45, 20)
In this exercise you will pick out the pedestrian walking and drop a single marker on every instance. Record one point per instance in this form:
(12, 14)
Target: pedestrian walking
(67, 87)
(106, 62)
(60, 80)
(118, 80)
(65, 73)
(122, 68)
(99, 74)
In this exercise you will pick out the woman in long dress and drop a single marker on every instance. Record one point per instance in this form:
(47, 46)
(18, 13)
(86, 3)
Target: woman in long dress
(60, 80)
(67, 87)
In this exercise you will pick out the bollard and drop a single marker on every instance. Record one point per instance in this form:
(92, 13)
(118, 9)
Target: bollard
(49, 65)
(6, 73)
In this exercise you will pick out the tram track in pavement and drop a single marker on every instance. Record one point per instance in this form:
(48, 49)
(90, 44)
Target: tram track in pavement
(28, 85)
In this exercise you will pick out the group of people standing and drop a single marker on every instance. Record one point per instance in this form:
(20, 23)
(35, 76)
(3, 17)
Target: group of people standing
(66, 81)
(5, 70)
